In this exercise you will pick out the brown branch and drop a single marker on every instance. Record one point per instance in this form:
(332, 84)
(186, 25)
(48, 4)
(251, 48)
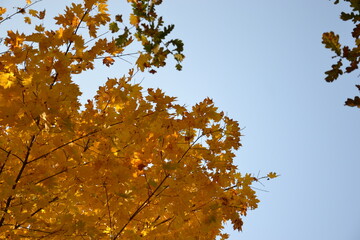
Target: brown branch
(35, 212)
(51, 176)
(38, 210)
(60, 172)
(190, 147)
(147, 201)
(63, 145)
(93, 39)
(164, 221)
(7, 157)
(12, 154)
(25, 162)
(141, 207)
(81, 137)
(70, 43)
(108, 206)
(77, 28)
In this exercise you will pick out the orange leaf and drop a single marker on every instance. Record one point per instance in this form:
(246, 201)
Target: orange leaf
(108, 61)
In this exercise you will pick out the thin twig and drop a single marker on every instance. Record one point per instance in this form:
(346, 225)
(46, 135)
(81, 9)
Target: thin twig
(21, 160)
(108, 206)
(20, 10)
(70, 43)
(148, 199)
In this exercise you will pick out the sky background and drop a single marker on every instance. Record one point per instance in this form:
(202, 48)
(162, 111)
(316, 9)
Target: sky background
(263, 64)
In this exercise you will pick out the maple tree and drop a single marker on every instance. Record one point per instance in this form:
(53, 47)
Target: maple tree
(345, 54)
(127, 164)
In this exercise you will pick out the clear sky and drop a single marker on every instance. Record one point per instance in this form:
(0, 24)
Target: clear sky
(263, 64)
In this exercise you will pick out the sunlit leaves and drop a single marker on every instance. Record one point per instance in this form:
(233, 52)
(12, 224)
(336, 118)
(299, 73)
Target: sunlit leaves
(134, 20)
(129, 164)
(152, 34)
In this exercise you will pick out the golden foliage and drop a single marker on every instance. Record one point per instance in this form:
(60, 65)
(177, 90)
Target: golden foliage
(126, 165)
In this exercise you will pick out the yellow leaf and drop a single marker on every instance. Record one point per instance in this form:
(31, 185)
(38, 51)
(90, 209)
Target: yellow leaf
(33, 12)
(39, 28)
(143, 61)
(272, 175)
(27, 20)
(6, 79)
(2, 10)
(179, 57)
(27, 81)
(134, 20)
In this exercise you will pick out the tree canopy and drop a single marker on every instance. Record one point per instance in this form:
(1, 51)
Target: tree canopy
(350, 56)
(130, 163)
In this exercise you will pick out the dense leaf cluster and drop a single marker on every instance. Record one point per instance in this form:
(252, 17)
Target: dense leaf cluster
(131, 163)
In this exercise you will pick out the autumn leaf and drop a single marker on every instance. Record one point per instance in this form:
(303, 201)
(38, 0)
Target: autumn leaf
(143, 61)
(334, 73)
(42, 14)
(33, 12)
(134, 20)
(355, 102)
(27, 20)
(108, 61)
(272, 175)
(114, 27)
(118, 18)
(2, 10)
(347, 55)
(330, 40)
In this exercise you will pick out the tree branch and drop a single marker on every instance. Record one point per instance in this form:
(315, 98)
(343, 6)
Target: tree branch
(21, 160)
(108, 206)
(154, 193)
(20, 10)
(10, 198)
(70, 43)
(7, 157)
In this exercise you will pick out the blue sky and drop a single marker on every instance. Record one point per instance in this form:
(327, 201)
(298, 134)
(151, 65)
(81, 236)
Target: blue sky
(263, 64)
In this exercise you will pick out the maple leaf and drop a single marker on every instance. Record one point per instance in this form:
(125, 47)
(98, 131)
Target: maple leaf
(272, 175)
(27, 20)
(134, 20)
